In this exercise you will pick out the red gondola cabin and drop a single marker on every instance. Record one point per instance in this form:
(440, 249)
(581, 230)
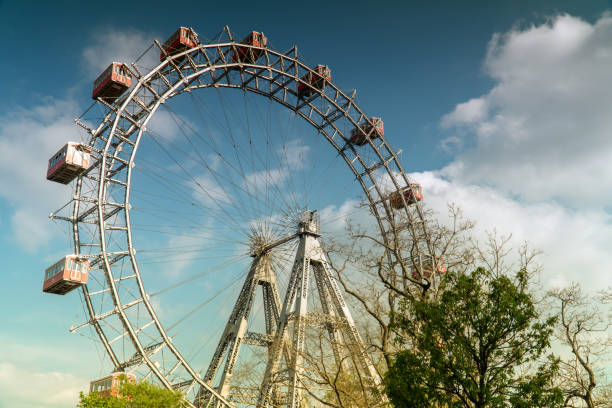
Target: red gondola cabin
(66, 274)
(411, 194)
(359, 137)
(69, 162)
(109, 386)
(182, 39)
(250, 55)
(316, 80)
(426, 268)
(112, 82)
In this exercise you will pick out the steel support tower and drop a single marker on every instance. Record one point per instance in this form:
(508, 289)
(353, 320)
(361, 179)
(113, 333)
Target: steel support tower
(336, 318)
(283, 383)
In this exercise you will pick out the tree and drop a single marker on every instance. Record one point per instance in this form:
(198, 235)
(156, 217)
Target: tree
(476, 347)
(141, 395)
(378, 273)
(585, 330)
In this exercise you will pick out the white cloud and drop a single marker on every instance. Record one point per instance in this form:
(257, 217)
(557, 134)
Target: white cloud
(468, 112)
(575, 244)
(167, 125)
(23, 388)
(28, 229)
(120, 45)
(260, 180)
(543, 131)
(28, 138)
(194, 242)
(294, 154)
(210, 193)
(44, 369)
(334, 218)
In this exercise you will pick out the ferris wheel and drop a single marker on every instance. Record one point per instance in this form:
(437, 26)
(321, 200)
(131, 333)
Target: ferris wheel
(209, 171)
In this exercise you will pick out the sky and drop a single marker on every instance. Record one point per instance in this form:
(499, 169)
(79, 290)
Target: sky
(502, 108)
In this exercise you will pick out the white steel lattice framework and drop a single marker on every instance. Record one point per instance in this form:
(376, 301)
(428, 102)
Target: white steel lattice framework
(103, 232)
(283, 343)
(336, 317)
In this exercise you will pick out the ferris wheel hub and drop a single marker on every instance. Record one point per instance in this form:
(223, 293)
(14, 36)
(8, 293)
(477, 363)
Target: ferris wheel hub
(261, 243)
(103, 224)
(310, 223)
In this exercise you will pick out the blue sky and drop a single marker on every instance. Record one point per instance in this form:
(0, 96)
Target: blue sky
(500, 108)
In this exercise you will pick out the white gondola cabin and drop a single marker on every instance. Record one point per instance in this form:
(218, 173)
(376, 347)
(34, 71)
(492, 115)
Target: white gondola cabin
(66, 274)
(316, 80)
(69, 162)
(112, 82)
(182, 39)
(109, 386)
(359, 137)
(411, 194)
(250, 55)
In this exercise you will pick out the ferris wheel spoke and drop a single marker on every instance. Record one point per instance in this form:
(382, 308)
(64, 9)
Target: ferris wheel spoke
(198, 276)
(213, 183)
(244, 186)
(201, 188)
(182, 319)
(239, 169)
(172, 200)
(218, 177)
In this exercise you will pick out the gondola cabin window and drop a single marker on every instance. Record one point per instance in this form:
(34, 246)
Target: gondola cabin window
(247, 54)
(317, 80)
(65, 275)
(112, 82)
(182, 39)
(71, 160)
(102, 386)
(359, 136)
(411, 195)
(61, 155)
(109, 386)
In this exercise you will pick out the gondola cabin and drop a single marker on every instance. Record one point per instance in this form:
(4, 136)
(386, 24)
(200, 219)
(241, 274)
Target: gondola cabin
(66, 274)
(411, 194)
(182, 39)
(69, 162)
(112, 82)
(425, 268)
(316, 80)
(109, 386)
(359, 137)
(250, 55)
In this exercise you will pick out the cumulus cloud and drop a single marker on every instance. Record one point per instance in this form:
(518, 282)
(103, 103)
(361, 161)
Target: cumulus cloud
(334, 218)
(24, 389)
(532, 154)
(169, 125)
(260, 180)
(575, 244)
(294, 154)
(120, 45)
(469, 112)
(28, 138)
(210, 192)
(30, 135)
(193, 245)
(32, 377)
(543, 131)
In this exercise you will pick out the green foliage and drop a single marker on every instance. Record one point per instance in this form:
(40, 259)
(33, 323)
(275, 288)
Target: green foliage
(474, 348)
(93, 400)
(141, 395)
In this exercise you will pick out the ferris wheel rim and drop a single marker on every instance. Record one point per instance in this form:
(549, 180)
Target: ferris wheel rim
(117, 110)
